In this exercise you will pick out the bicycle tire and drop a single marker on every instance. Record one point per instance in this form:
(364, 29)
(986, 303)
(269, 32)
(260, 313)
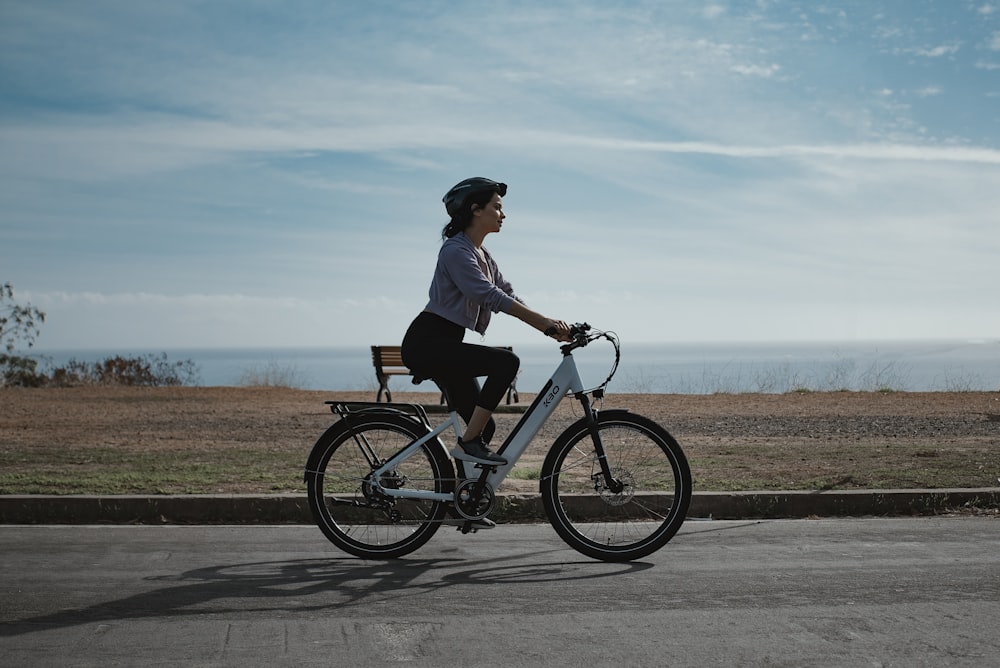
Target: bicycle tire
(343, 504)
(640, 519)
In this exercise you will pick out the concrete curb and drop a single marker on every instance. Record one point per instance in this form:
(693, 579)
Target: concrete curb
(294, 508)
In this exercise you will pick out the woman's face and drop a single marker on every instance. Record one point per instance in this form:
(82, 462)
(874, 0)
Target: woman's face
(491, 216)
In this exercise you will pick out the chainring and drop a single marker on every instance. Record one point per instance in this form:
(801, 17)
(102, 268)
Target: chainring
(471, 507)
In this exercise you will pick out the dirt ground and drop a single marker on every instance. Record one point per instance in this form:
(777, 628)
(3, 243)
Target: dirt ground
(50, 438)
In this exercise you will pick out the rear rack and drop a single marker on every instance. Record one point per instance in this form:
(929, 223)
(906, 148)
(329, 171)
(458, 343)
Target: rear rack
(345, 408)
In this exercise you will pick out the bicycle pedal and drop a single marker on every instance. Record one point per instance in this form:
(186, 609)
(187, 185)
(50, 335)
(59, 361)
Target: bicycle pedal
(467, 526)
(463, 527)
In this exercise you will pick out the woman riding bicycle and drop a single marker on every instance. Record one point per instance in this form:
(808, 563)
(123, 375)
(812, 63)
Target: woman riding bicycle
(467, 287)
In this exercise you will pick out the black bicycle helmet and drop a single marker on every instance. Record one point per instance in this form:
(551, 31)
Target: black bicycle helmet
(453, 198)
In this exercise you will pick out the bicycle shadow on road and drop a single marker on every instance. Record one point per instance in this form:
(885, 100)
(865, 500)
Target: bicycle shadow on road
(310, 586)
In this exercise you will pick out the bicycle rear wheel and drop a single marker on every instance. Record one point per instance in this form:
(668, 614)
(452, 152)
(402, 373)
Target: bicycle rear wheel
(629, 524)
(352, 514)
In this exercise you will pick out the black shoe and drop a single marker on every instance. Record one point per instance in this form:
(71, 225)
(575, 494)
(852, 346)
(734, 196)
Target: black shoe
(476, 451)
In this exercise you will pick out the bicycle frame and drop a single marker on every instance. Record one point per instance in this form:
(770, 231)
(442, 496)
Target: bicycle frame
(564, 381)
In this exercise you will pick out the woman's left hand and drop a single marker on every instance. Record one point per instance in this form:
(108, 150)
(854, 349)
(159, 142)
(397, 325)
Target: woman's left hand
(558, 330)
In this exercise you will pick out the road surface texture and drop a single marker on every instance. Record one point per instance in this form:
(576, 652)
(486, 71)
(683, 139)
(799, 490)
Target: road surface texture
(843, 592)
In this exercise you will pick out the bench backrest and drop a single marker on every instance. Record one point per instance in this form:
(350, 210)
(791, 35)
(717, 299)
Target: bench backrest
(387, 357)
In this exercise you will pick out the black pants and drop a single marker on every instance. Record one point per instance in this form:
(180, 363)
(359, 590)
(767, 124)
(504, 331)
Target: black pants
(433, 349)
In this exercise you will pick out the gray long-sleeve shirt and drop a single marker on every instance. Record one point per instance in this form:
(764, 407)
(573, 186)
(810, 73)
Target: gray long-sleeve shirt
(468, 287)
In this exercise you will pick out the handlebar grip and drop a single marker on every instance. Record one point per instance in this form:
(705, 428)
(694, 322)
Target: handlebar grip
(575, 329)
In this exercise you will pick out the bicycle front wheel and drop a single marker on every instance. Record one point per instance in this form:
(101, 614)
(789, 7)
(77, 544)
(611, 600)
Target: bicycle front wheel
(351, 512)
(629, 523)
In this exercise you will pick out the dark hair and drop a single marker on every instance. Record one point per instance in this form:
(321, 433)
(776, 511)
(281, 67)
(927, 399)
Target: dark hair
(463, 216)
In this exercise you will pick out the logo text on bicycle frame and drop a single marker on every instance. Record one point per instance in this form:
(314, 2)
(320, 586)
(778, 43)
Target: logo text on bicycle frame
(552, 395)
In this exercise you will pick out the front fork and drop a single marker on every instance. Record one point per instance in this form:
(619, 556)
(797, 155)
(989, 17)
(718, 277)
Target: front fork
(614, 485)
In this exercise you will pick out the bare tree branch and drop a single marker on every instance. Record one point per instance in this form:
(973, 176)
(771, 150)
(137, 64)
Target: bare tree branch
(18, 322)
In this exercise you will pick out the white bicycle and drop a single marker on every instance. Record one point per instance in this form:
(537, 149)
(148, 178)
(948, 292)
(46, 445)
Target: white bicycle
(615, 486)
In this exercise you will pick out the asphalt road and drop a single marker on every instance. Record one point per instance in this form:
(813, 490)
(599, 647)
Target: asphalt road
(846, 592)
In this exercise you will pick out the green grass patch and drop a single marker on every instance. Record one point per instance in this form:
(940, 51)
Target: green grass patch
(526, 473)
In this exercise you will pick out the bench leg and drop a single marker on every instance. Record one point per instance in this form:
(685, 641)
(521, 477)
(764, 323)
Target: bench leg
(383, 385)
(512, 392)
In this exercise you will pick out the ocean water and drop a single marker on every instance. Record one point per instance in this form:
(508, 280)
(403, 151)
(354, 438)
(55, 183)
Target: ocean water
(687, 368)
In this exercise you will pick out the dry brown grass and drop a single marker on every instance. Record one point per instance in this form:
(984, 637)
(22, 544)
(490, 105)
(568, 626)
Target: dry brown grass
(256, 440)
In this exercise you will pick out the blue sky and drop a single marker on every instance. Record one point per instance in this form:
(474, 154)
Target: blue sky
(189, 173)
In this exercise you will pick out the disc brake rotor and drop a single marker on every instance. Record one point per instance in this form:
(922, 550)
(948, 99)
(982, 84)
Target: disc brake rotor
(616, 498)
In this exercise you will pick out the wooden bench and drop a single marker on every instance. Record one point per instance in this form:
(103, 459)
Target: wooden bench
(388, 362)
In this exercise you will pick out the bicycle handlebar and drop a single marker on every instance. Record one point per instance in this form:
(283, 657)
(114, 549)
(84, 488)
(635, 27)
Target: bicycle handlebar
(580, 336)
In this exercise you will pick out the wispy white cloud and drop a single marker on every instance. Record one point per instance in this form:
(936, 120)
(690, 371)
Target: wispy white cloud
(183, 167)
(91, 151)
(713, 11)
(110, 320)
(763, 71)
(857, 151)
(937, 51)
